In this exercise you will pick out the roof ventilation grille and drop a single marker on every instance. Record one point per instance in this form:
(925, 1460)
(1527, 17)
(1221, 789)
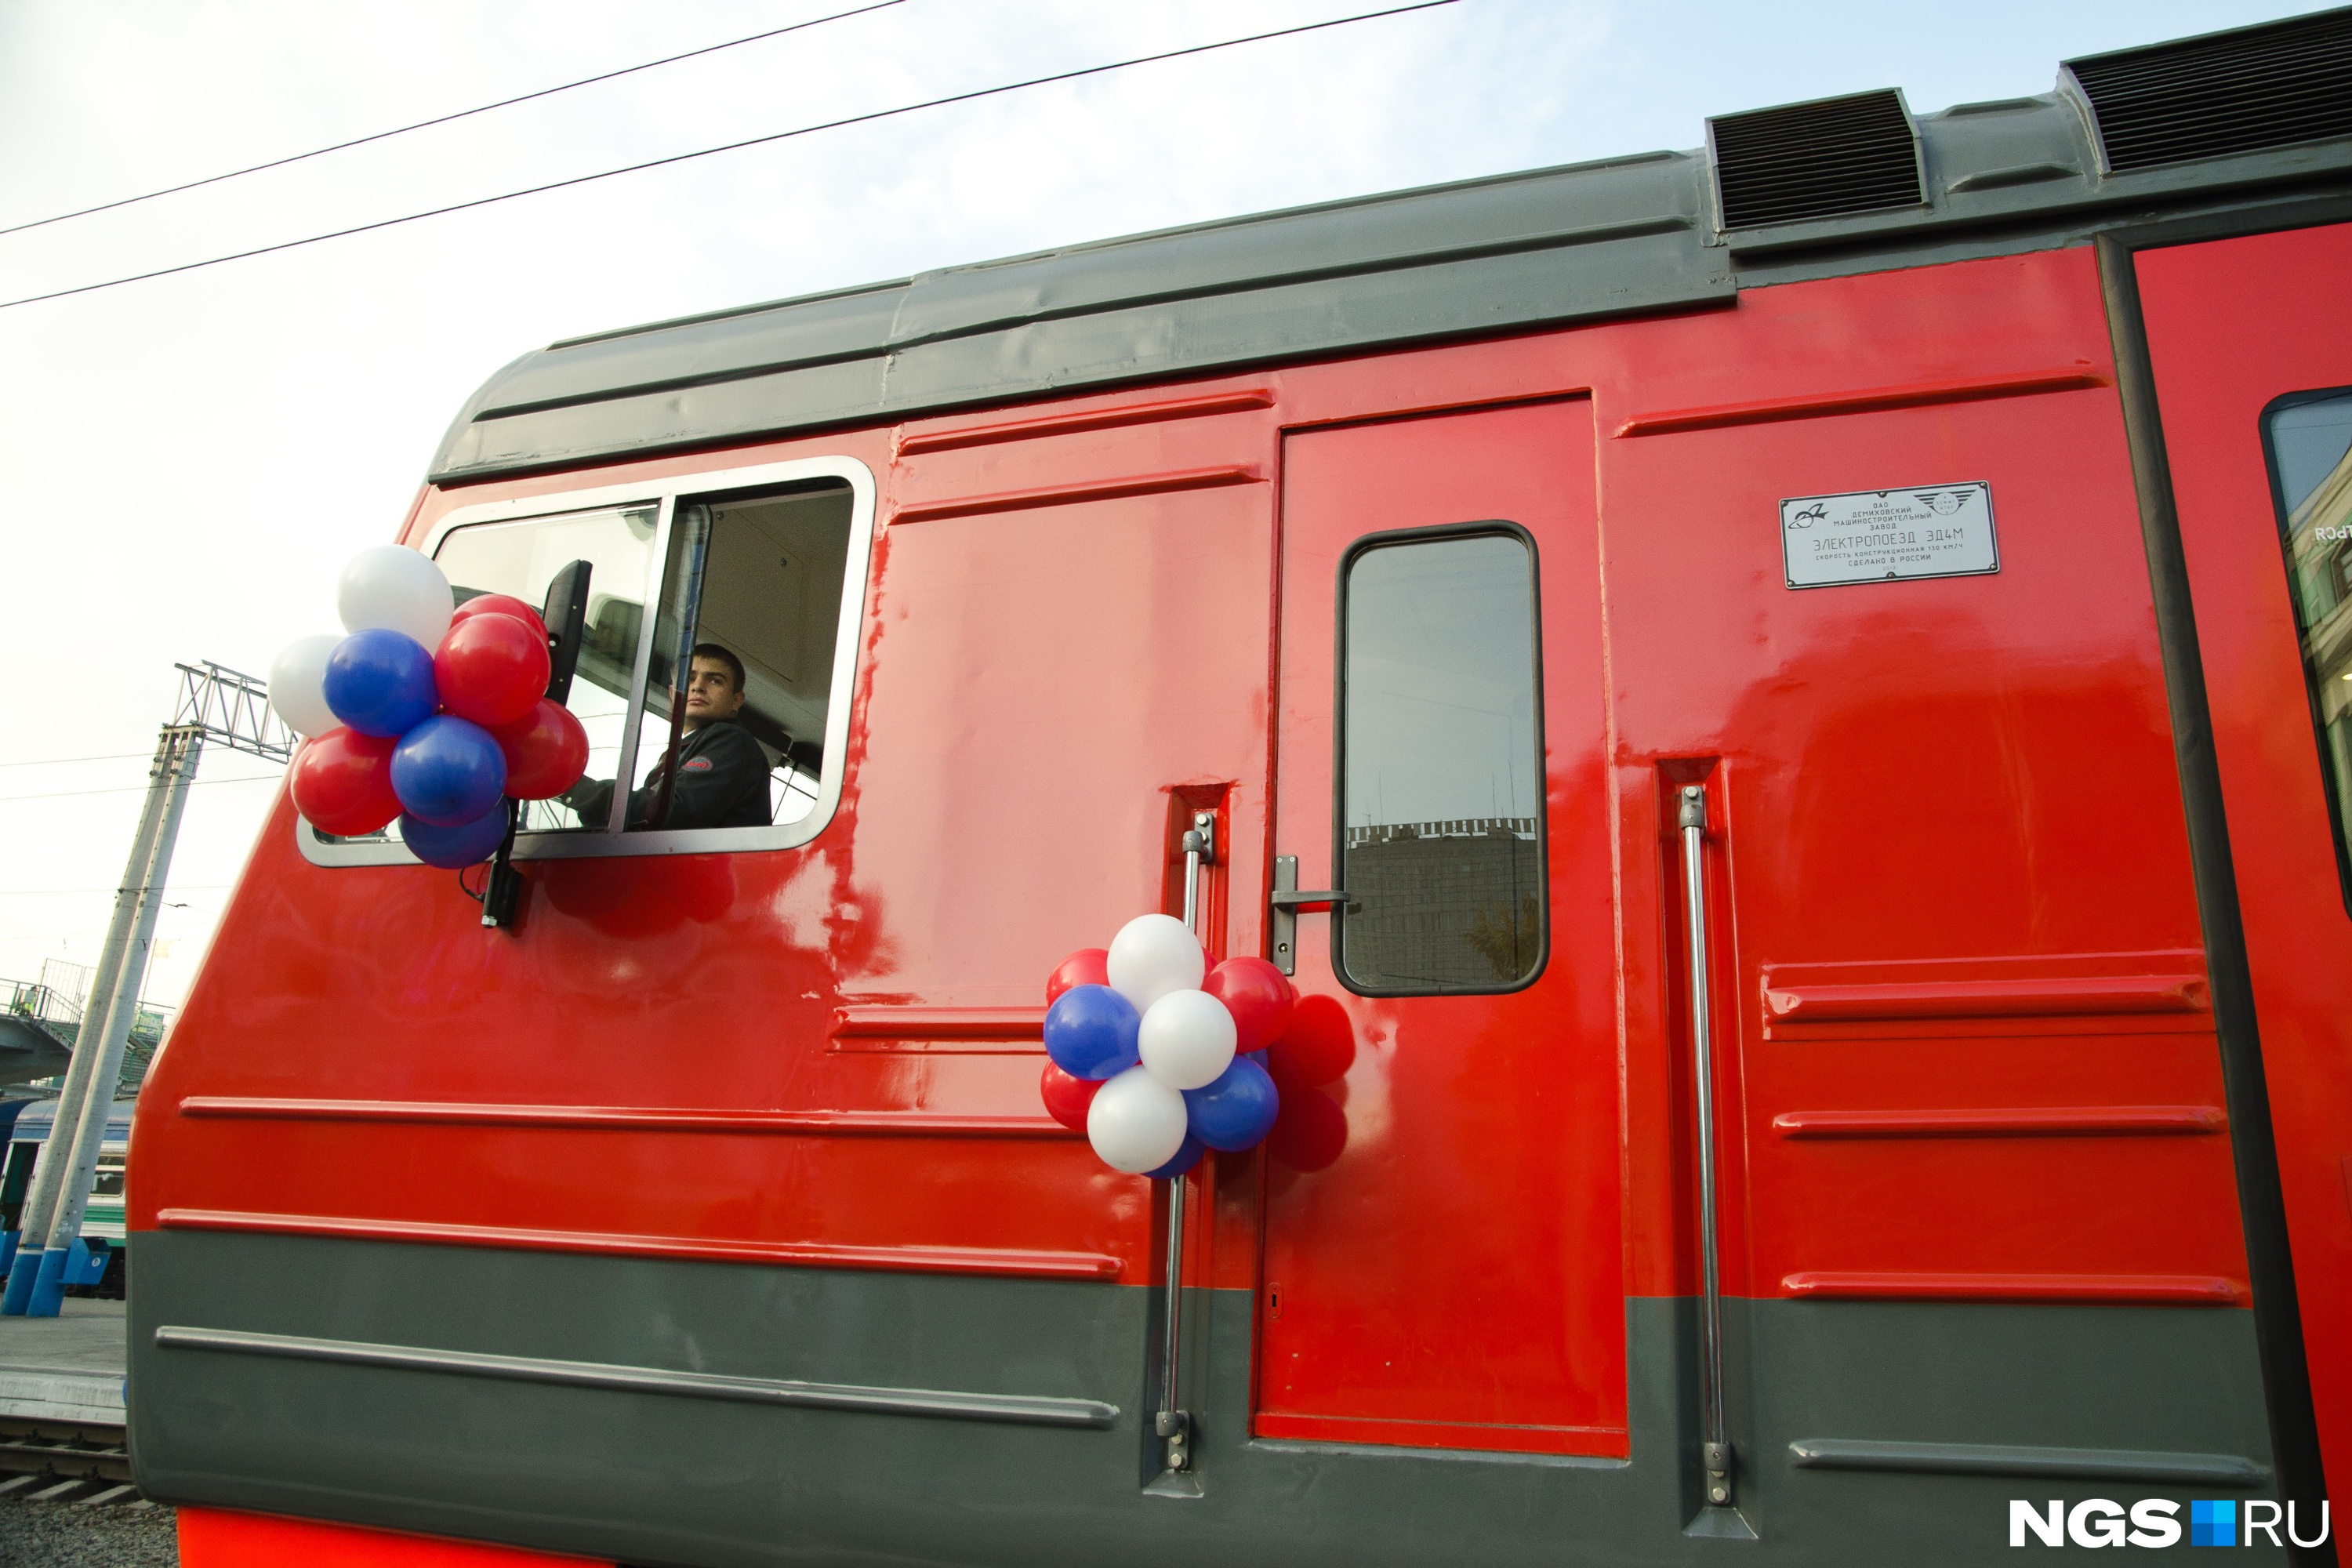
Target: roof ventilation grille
(1824, 159)
(2240, 91)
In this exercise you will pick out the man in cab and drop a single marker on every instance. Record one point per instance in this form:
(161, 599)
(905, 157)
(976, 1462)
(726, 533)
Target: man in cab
(723, 773)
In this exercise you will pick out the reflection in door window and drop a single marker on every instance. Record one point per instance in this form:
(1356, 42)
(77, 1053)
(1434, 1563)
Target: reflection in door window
(2309, 439)
(1440, 843)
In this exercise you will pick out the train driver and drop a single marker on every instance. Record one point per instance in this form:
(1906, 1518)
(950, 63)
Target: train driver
(723, 773)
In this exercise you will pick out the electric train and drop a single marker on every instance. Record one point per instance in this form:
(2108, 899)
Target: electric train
(1788, 708)
(94, 1265)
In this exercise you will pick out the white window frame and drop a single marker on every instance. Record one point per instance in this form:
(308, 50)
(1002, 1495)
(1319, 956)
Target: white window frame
(574, 843)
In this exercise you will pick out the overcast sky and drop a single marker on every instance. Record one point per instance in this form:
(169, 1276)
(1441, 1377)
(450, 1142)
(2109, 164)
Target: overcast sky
(186, 463)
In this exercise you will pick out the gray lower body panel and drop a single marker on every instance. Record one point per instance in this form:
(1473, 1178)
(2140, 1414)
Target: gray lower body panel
(716, 1414)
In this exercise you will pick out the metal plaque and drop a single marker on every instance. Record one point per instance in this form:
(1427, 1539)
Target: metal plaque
(1877, 536)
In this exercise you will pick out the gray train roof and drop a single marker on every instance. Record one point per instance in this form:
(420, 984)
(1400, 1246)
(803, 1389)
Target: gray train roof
(2256, 115)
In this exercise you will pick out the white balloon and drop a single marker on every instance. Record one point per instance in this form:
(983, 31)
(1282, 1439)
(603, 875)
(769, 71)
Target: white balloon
(1187, 1039)
(1152, 955)
(392, 586)
(297, 685)
(1136, 1122)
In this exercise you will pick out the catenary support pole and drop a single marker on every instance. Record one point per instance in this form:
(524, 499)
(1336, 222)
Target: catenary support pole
(182, 746)
(39, 1213)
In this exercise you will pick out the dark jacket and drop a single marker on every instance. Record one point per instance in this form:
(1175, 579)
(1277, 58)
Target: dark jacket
(722, 782)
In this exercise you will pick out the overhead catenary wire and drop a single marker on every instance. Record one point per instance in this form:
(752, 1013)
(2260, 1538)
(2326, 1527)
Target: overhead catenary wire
(731, 147)
(445, 118)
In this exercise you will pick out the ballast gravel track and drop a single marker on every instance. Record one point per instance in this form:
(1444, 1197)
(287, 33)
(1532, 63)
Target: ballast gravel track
(61, 1535)
(66, 1498)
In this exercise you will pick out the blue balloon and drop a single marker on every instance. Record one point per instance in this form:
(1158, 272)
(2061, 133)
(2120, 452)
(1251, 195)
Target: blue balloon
(381, 682)
(1236, 1110)
(1188, 1154)
(454, 848)
(1090, 1032)
(448, 771)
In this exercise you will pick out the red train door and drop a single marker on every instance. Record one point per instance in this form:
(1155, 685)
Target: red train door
(2250, 343)
(1442, 1263)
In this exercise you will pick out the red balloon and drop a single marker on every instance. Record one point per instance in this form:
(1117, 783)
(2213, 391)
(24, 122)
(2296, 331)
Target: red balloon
(490, 670)
(1087, 966)
(1259, 998)
(546, 751)
(342, 782)
(501, 604)
(1067, 1098)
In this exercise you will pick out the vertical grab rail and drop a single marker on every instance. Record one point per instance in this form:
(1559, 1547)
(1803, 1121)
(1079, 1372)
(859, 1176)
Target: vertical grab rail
(1714, 1444)
(1172, 1424)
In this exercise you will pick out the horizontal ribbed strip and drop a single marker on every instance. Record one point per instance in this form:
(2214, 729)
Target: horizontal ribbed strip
(1034, 1410)
(2004, 1460)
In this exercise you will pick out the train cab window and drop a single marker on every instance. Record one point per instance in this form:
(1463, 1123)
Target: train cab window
(758, 571)
(1439, 770)
(2308, 438)
(760, 577)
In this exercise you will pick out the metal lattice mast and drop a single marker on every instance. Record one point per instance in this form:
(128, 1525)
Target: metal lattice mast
(215, 704)
(231, 709)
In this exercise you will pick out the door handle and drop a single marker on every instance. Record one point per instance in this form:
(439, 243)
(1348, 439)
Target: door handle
(1284, 904)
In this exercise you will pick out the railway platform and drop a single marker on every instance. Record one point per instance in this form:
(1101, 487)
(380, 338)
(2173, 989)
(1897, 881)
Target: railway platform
(69, 1368)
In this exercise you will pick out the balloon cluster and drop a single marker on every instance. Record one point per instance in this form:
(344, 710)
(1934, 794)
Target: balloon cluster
(430, 712)
(1157, 1058)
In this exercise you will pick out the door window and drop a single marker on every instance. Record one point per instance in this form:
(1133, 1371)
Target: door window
(1440, 810)
(2308, 438)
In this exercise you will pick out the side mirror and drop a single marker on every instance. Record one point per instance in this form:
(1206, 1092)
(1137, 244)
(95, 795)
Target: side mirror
(566, 615)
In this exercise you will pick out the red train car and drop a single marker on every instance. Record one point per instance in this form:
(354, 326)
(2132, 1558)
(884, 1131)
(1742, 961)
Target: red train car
(1806, 683)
